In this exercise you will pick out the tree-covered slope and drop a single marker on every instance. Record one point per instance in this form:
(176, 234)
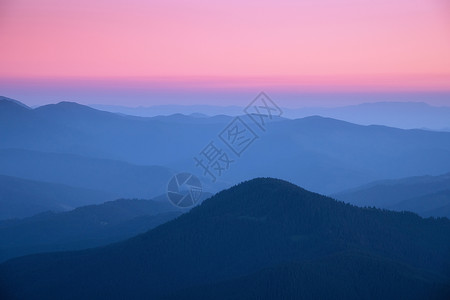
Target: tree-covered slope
(259, 224)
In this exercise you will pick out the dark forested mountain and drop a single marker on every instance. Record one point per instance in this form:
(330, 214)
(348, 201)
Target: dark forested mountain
(21, 198)
(321, 154)
(260, 238)
(345, 275)
(425, 195)
(84, 227)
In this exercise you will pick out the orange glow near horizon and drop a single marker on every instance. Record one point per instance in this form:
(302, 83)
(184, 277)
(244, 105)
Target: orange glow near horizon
(286, 44)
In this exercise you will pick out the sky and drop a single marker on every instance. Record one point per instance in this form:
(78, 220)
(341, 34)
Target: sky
(145, 52)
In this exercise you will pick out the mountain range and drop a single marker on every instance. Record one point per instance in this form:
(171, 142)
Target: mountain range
(260, 239)
(405, 115)
(425, 195)
(116, 178)
(321, 154)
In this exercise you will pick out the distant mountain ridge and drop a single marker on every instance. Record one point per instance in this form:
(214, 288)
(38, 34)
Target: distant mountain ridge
(4, 102)
(254, 226)
(405, 115)
(322, 154)
(425, 195)
(161, 110)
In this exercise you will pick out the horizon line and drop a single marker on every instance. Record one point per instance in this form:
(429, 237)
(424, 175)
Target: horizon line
(375, 83)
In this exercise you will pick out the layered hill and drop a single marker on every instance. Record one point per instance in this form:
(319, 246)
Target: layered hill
(84, 227)
(424, 195)
(253, 233)
(20, 198)
(321, 154)
(115, 178)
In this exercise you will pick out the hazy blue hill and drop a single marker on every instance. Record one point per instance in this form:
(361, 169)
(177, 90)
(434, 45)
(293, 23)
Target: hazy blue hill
(204, 120)
(165, 110)
(424, 195)
(407, 115)
(23, 198)
(84, 227)
(11, 104)
(259, 224)
(430, 205)
(193, 119)
(327, 155)
(21, 127)
(118, 179)
(321, 154)
(14, 117)
(441, 211)
(76, 115)
(73, 128)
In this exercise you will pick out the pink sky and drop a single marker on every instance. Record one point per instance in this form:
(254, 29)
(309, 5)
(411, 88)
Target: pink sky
(288, 45)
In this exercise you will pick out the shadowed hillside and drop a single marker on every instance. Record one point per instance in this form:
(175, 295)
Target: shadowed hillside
(256, 225)
(84, 227)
